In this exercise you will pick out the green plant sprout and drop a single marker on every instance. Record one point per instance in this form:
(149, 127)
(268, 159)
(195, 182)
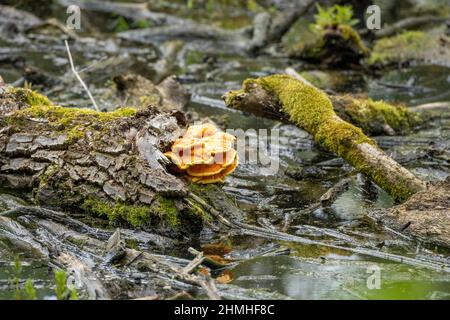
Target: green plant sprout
(333, 16)
(61, 290)
(28, 292)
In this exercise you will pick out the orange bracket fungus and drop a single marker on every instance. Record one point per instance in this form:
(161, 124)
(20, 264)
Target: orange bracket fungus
(204, 153)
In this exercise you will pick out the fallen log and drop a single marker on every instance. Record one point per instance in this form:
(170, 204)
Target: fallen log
(425, 216)
(427, 210)
(373, 117)
(109, 164)
(311, 109)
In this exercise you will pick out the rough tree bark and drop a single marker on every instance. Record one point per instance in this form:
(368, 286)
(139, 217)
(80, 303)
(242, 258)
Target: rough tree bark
(286, 97)
(108, 163)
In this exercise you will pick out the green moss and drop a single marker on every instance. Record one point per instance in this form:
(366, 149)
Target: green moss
(194, 57)
(51, 169)
(30, 97)
(70, 116)
(197, 211)
(75, 134)
(337, 45)
(315, 105)
(132, 244)
(312, 110)
(137, 215)
(73, 121)
(351, 35)
(79, 242)
(166, 208)
(399, 48)
(372, 115)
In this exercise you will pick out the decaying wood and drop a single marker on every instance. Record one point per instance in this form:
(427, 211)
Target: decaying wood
(351, 246)
(425, 216)
(371, 117)
(374, 163)
(137, 91)
(363, 155)
(92, 274)
(117, 160)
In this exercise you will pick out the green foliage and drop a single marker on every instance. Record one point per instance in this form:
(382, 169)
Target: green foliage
(30, 291)
(61, 290)
(121, 24)
(61, 284)
(333, 16)
(16, 271)
(73, 294)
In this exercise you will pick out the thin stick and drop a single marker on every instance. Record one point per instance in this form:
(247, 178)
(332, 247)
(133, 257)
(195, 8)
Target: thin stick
(194, 263)
(78, 76)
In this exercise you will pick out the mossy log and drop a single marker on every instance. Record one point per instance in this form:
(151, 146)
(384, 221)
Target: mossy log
(311, 109)
(107, 163)
(431, 47)
(374, 117)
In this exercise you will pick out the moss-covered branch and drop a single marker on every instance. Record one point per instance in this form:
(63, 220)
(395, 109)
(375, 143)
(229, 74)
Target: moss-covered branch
(375, 117)
(312, 110)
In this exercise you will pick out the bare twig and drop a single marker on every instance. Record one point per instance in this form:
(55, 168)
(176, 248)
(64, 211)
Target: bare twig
(78, 76)
(193, 264)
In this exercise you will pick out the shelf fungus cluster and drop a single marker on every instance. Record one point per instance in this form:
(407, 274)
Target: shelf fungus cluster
(205, 154)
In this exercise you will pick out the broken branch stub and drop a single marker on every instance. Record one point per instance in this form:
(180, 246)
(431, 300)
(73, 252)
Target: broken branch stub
(283, 97)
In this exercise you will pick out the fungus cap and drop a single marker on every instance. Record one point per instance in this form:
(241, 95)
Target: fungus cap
(204, 153)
